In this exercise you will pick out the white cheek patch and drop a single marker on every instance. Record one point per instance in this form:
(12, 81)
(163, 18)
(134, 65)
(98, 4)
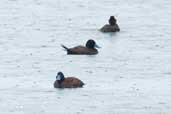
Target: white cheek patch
(58, 77)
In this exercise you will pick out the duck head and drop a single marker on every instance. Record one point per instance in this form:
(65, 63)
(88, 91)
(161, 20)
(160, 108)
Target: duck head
(60, 77)
(112, 20)
(91, 44)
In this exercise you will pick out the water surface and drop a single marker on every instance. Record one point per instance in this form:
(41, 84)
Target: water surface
(130, 75)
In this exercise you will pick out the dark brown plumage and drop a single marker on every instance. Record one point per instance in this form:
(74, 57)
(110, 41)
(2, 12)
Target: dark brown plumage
(89, 49)
(111, 27)
(69, 82)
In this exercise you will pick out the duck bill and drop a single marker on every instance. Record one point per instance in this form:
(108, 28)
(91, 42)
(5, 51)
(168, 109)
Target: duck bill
(58, 78)
(97, 46)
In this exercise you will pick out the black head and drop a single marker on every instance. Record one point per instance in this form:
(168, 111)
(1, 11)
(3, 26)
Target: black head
(60, 77)
(91, 44)
(112, 20)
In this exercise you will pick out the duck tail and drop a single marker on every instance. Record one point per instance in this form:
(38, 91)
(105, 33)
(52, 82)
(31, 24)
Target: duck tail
(65, 47)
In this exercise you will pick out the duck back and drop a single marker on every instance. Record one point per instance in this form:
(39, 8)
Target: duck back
(82, 50)
(69, 82)
(110, 28)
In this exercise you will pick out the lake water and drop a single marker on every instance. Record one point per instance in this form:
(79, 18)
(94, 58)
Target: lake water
(130, 75)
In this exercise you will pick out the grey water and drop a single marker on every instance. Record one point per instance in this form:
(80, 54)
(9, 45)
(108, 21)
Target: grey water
(130, 75)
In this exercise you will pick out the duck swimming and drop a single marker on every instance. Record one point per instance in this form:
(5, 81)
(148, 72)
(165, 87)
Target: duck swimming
(88, 49)
(69, 82)
(111, 27)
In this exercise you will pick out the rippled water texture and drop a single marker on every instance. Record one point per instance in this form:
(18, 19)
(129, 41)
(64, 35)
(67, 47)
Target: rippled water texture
(130, 75)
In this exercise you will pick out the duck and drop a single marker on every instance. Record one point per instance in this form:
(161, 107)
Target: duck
(88, 49)
(112, 26)
(68, 82)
